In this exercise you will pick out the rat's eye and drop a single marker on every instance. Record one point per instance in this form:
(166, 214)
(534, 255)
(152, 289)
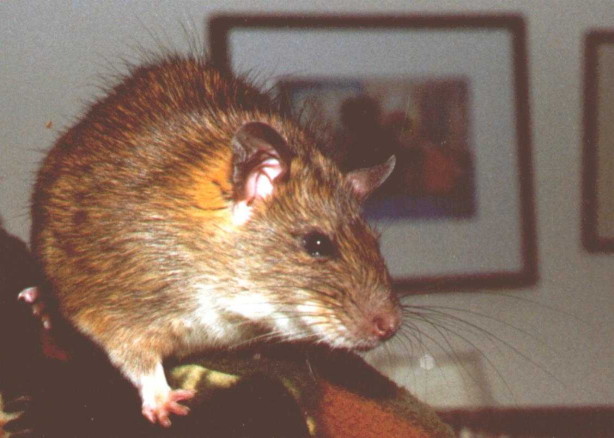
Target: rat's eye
(318, 244)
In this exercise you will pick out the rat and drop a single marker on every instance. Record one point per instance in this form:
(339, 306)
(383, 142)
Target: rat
(186, 211)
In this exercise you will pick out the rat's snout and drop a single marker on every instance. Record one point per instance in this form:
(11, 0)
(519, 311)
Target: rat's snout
(382, 323)
(385, 325)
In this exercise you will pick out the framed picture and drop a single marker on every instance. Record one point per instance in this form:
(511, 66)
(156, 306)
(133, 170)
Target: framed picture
(448, 95)
(598, 177)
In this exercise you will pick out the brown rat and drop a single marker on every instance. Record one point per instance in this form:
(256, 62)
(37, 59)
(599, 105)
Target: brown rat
(186, 212)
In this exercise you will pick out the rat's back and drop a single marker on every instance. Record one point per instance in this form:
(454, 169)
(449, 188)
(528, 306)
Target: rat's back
(111, 185)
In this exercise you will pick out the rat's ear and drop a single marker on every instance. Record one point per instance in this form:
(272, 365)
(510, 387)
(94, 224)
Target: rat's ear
(365, 181)
(261, 158)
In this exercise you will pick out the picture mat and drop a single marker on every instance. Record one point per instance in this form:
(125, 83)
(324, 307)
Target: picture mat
(489, 242)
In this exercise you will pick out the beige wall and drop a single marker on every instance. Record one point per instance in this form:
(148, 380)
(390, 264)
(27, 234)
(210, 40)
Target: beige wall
(52, 51)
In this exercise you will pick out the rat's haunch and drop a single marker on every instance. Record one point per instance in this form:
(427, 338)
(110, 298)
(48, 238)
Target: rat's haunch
(185, 212)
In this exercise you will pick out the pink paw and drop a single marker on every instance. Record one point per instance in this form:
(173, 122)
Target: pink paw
(159, 411)
(28, 295)
(32, 297)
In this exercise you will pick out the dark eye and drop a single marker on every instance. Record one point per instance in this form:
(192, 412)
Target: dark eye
(318, 244)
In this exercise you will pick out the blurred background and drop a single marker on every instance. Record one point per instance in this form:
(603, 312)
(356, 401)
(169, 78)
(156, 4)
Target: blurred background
(546, 346)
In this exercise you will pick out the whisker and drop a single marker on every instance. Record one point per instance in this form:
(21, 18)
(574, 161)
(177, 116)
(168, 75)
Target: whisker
(446, 349)
(461, 323)
(520, 299)
(441, 311)
(490, 363)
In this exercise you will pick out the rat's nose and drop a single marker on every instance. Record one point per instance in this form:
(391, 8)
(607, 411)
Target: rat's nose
(385, 325)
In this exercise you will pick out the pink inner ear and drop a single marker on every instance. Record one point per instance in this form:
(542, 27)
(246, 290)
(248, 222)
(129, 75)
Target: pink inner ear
(259, 183)
(360, 186)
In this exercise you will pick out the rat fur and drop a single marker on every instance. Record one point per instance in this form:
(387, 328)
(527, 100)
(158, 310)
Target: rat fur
(185, 211)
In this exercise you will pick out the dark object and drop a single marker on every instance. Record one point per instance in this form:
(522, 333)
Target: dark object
(20, 357)
(18, 331)
(559, 422)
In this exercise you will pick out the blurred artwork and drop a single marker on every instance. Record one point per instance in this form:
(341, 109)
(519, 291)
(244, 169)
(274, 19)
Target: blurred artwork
(424, 122)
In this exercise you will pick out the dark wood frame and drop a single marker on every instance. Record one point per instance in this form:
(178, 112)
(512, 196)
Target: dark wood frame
(591, 239)
(220, 26)
(559, 422)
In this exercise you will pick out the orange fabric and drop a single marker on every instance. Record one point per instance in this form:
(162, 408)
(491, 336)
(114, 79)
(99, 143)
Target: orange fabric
(344, 414)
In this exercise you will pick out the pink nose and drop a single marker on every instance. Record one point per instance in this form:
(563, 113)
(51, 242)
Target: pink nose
(385, 325)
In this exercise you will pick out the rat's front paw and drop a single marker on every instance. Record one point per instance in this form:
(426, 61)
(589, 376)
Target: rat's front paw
(159, 409)
(38, 305)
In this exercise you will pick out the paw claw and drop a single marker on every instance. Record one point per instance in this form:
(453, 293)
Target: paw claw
(182, 394)
(178, 409)
(149, 414)
(164, 420)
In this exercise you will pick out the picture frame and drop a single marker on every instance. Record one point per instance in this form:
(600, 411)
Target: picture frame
(598, 155)
(474, 67)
